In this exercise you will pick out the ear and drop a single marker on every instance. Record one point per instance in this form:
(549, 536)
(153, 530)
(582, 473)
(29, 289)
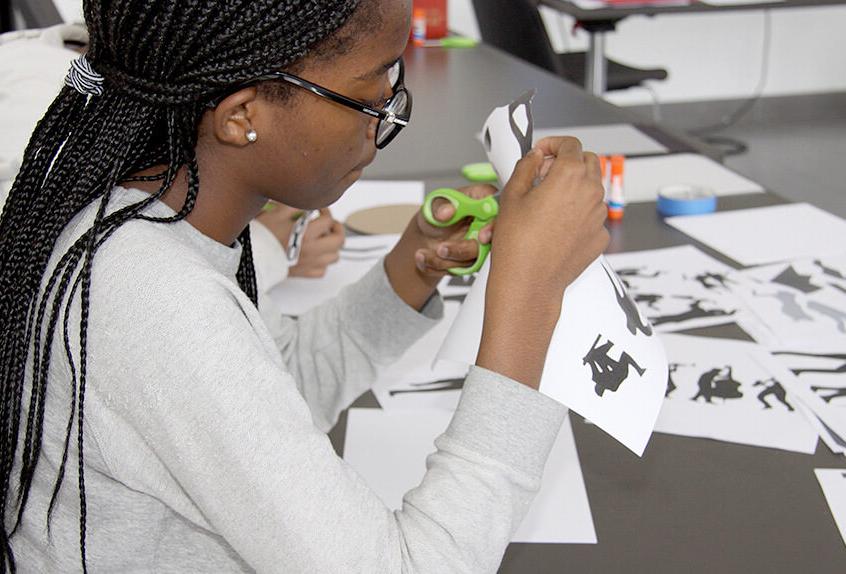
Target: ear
(234, 116)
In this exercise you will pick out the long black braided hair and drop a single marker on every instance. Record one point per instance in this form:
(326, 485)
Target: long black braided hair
(161, 62)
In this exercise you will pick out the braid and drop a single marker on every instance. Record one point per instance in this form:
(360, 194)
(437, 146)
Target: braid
(161, 63)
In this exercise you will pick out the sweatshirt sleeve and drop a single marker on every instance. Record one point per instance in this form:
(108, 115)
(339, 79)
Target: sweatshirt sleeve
(184, 369)
(334, 351)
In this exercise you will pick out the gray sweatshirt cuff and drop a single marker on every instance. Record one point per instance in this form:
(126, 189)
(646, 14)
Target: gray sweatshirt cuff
(386, 322)
(504, 420)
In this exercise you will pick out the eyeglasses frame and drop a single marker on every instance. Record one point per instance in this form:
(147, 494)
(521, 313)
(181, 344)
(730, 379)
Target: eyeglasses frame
(382, 114)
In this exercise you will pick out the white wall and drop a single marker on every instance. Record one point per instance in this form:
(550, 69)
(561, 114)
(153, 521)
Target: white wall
(713, 56)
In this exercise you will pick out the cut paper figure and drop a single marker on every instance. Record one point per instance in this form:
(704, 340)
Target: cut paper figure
(608, 373)
(634, 320)
(694, 312)
(836, 315)
(823, 356)
(648, 299)
(712, 280)
(718, 383)
(789, 305)
(838, 392)
(434, 386)
(505, 143)
(828, 270)
(773, 388)
(638, 272)
(792, 278)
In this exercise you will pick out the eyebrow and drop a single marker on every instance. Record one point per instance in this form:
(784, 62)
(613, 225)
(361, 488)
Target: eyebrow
(378, 71)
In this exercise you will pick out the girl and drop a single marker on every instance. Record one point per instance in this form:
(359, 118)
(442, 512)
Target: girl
(151, 421)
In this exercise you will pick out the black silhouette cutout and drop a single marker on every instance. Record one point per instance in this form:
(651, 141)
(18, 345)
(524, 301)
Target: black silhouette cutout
(832, 356)
(524, 139)
(836, 394)
(671, 385)
(718, 383)
(792, 278)
(712, 280)
(434, 386)
(789, 305)
(836, 315)
(634, 321)
(648, 299)
(829, 271)
(695, 312)
(638, 272)
(607, 373)
(775, 389)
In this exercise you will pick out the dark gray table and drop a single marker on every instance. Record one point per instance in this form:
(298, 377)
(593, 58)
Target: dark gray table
(689, 505)
(453, 92)
(603, 20)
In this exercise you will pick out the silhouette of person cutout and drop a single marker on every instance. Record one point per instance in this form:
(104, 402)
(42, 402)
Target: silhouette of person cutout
(608, 373)
(775, 389)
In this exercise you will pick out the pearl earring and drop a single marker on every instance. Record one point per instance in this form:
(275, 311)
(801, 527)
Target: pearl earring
(251, 135)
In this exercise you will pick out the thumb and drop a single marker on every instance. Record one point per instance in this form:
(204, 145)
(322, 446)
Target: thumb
(525, 173)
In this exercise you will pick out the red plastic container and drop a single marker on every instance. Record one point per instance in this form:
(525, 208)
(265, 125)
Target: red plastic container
(436, 17)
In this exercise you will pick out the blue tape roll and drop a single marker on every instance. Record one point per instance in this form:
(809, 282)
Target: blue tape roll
(685, 200)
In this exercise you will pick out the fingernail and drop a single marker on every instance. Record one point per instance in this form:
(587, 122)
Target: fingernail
(420, 261)
(443, 212)
(485, 236)
(443, 251)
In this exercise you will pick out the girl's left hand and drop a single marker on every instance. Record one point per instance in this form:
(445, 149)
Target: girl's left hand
(424, 253)
(443, 248)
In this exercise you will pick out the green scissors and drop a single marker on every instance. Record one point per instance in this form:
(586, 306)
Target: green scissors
(483, 211)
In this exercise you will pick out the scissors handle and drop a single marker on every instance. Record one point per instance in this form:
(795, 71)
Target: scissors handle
(482, 211)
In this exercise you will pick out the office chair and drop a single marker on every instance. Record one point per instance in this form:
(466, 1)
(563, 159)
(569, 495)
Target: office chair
(515, 26)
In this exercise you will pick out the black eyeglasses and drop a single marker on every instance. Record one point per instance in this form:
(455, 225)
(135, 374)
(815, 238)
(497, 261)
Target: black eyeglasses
(393, 115)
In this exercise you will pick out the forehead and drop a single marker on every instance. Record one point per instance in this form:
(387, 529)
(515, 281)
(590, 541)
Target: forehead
(370, 41)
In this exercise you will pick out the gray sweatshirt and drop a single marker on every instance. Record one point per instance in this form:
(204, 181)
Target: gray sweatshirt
(205, 446)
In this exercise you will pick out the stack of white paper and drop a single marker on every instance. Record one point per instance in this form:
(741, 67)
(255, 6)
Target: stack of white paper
(768, 234)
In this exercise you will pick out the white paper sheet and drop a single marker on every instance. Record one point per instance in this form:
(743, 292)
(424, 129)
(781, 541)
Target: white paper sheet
(644, 176)
(603, 361)
(768, 234)
(679, 287)
(833, 484)
(817, 375)
(612, 139)
(70, 10)
(365, 194)
(389, 449)
(296, 295)
(731, 391)
(798, 304)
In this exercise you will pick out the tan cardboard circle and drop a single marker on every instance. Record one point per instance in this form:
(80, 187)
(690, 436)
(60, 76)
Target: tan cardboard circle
(382, 219)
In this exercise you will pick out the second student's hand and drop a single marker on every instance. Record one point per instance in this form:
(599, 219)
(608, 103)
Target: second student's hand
(549, 229)
(426, 252)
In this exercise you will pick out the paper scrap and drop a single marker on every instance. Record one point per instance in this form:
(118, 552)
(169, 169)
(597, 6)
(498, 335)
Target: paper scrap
(644, 176)
(833, 484)
(768, 234)
(679, 287)
(731, 391)
(389, 448)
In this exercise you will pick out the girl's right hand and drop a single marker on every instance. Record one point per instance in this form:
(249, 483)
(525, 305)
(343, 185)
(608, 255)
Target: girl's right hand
(546, 235)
